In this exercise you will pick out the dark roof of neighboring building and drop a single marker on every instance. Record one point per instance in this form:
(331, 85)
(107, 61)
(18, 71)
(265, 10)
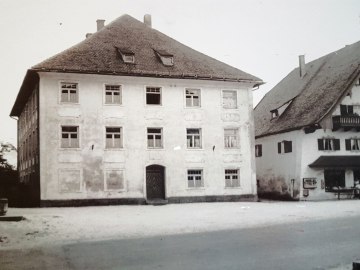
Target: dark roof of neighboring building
(98, 54)
(313, 96)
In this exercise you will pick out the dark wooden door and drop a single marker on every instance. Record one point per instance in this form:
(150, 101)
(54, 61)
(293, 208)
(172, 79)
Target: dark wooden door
(155, 182)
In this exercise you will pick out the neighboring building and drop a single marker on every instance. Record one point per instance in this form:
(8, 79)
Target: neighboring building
(307, 129)
(130, 115)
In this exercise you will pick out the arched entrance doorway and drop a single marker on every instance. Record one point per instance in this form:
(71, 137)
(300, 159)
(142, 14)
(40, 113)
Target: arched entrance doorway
(155, 182)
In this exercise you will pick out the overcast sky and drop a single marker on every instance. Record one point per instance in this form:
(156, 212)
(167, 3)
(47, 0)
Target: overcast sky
(261, 37)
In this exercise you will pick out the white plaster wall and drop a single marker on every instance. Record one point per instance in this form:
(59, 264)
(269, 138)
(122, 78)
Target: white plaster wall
(91, 115)
(275, 171)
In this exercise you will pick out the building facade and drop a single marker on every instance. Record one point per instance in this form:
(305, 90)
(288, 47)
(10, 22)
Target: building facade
(307, 130)
(141, 124)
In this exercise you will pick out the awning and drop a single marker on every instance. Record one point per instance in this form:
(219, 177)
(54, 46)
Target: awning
(344, 162)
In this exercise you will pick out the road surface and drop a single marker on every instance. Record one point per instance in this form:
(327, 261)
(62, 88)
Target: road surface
(325, 244)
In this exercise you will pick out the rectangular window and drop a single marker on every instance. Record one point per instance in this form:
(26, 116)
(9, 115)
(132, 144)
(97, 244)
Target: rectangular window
(69, 93)
(285, 147)
(153, 95)
(352, 144)
(328, 144)
(154, 138)
(114, 180)
(69, 137)
(112, 94)
(346, 110)
(195, 178)
(192, 97)
(232, 178)
(193, 137)
(113, 137)
(229, 99)
(258, 150)
(231, 138)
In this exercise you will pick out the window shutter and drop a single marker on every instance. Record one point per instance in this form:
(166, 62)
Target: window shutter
(260, 150)
(288, 146)
(279, 147)
(337, 144)
(350, 109)
(348, 144)
(320, 144)
(343, 110)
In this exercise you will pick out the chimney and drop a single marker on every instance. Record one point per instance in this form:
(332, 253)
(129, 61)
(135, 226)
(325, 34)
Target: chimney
(100, 24)
(302, 65)
(88, 35)
(147, 20)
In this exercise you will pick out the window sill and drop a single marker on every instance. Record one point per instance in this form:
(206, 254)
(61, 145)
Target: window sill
(155, 149)
(195, 149)
(233, 187)
(113, 104)
(114, 149)
(70, 149)
(195, 188)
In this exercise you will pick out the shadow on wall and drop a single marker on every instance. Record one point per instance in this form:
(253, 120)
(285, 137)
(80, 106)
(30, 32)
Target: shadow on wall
(278, 188)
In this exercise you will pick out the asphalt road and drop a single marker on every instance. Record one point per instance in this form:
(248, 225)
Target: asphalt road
(307, 245)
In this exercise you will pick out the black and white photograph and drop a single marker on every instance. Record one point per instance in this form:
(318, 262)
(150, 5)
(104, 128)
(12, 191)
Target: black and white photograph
(205, 135)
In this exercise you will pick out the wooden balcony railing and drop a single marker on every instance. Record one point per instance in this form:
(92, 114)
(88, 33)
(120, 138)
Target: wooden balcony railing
(346, 121)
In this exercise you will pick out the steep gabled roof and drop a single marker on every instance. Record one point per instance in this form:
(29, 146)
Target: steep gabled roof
(99, 54)
(313, 96)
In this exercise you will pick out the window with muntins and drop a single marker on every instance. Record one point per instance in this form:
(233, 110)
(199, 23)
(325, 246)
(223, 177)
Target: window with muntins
(69, 136)
(195, 178)
(231, 138)
(284, 147)
(352, 144)
(229, 99)
(192, 97)
(69, 93)
(154, 138)
(113, 137)
(193, 137)
(328, 144)
(232, 178)
(112, 94)
(153, 95)
(258, 150)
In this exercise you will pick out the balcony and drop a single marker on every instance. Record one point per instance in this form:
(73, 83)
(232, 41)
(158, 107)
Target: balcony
(346, 122)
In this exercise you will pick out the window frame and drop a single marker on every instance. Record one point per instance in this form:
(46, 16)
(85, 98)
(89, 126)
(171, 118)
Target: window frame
(237, 135)
(68, 101)
(352, 144)
(327, 142)
(284, 147)
(113, 147)
(112, 96)
(231, 175)
(193, 140)
(258, 150)
(222, 99)
(69, 138)
(154, 138)
(192, 97)
(160, 94)
(194, 178)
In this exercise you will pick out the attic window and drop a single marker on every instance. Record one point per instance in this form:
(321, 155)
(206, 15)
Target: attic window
(166, 58)
(127, 55)
(274, 113)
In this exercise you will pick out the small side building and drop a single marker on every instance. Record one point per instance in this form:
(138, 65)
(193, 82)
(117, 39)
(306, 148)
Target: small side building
(307, 130)
(131, 115)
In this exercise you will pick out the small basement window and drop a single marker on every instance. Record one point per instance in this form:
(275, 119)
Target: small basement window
(127, 55)
(167, 59)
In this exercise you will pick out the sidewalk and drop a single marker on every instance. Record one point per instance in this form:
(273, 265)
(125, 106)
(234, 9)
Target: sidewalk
(43, 226)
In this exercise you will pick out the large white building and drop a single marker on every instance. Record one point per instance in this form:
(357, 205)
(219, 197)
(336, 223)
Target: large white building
(307, 130)
(130, 115)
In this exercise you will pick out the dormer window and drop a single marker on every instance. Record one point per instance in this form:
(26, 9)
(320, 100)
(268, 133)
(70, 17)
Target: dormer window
(274, 113)
(127, 55)
(167, 59)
